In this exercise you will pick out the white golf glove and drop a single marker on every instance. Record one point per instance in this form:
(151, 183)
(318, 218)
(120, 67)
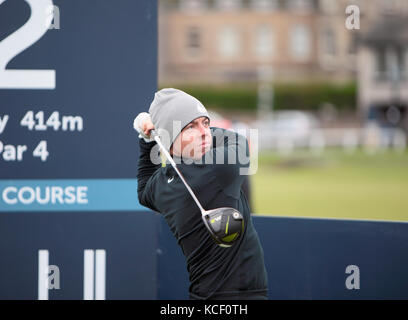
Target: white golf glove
(137, 125)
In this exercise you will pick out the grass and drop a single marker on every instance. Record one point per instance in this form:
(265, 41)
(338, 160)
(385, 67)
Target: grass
(332, 185)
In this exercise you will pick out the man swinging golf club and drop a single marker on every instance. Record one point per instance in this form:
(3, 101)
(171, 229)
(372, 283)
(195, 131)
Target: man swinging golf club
(222, 249)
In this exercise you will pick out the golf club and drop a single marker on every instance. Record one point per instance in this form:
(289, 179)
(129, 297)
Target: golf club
(225, 224)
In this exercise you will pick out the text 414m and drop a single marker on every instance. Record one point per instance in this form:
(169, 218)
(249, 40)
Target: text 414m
(37, 122)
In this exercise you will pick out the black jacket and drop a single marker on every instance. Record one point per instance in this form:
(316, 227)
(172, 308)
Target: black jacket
(214, 271)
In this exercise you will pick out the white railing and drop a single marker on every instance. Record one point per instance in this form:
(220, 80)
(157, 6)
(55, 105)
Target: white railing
(370, 138)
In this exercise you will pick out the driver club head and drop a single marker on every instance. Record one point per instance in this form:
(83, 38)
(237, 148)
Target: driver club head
(226, 225)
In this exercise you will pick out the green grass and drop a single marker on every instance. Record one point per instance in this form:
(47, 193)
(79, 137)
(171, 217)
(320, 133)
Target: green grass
(332, 185)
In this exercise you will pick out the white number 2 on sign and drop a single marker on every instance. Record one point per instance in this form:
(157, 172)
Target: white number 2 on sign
(32, 31)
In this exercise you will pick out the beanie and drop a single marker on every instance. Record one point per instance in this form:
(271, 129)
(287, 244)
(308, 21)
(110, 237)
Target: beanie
(171, 110)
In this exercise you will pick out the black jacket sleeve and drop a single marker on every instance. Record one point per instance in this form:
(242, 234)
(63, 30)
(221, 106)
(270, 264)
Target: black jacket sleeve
(146, 169)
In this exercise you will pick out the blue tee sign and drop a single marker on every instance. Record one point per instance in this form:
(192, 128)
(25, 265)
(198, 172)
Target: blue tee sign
(73, 75)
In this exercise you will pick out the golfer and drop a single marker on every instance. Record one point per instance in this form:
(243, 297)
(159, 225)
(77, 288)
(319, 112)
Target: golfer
(183, 124)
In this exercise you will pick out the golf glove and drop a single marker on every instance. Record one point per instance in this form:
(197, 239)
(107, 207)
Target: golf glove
(137, 125)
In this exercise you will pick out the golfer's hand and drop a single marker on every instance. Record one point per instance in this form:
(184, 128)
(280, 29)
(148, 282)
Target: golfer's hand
(147, 126)
(143, 124)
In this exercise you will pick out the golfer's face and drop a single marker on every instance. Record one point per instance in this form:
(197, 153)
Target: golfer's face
(195, 139)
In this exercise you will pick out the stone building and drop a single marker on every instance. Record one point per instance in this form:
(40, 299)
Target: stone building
(383, 72)
(230, 40)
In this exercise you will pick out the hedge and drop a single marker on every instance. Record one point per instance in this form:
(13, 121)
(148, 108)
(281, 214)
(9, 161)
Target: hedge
(286, 96)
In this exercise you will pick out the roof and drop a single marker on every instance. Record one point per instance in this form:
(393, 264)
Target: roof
(389, 30)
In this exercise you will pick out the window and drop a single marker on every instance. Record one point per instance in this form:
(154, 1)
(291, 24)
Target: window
(352, 48)
(193, 41)
(300, 42)
(329, 43)
(300, 5)
(193, 5)
(193, 38)
(391, 6)
(391, 64)
(229, 43)
(405, 65)
(264, 4)
(402, 55)
(401, 66)
(380, 64)
(228, 4)
(263, 42)
(329, 6)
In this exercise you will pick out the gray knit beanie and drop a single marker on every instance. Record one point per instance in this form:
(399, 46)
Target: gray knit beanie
(171, 110)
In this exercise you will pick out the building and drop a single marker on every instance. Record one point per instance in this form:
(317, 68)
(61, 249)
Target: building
(215, 41)
(383, 71)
